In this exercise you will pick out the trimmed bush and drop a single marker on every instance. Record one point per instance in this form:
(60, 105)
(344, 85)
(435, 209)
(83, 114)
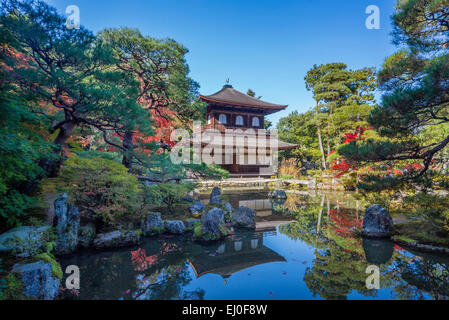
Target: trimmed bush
(101, 187)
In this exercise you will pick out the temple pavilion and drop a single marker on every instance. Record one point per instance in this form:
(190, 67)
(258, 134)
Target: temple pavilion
(232, 109)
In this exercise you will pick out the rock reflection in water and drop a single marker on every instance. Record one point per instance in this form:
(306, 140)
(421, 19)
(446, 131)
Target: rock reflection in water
(318, 256)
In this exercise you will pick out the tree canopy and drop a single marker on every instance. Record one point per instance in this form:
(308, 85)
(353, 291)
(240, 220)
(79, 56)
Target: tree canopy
(415, 89)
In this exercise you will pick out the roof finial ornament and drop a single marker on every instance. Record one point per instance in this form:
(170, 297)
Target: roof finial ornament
(227, 85)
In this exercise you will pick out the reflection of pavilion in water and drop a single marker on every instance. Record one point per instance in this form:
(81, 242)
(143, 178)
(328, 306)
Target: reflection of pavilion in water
(258, 202)
(263, 207)
(235, 255)
(266, 217)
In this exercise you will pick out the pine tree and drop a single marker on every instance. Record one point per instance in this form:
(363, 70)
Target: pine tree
(415, 88)
(166, 91)
(343, 100)
(70, 72)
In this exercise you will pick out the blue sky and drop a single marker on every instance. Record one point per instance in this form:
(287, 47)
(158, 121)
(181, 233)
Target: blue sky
(265, 45)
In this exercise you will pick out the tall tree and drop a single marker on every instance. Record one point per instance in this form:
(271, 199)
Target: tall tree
(343, 98)
(22, 142)
(165, 88)
(69, 70)
(415, 84)
(312, 79)
(301, 129)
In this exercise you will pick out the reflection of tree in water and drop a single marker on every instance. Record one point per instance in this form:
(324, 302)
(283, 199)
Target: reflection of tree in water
(414, 277)
(103, 275)
(291, 204)
(160, 268)
(336, 273)
(341, 257)
(339, 267)
(164, 275)
(307, 227)
(157, 271)
(166, 283)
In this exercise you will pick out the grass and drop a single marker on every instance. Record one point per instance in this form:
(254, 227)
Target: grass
(289, 168)
(423, 232)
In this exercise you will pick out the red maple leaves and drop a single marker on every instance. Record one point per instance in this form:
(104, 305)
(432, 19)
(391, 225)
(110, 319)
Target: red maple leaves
(141, 261)
(342, 165)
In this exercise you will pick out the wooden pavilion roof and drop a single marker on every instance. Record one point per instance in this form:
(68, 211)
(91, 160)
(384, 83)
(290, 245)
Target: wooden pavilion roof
(230, 97)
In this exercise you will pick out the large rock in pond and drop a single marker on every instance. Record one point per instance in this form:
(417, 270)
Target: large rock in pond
(38, 280)
(377, 223)
(153, 224)
(197, 208)
(175, 227)
(212, 226)
(277, 194)
(67, 225)
(24, 241)
(244, 218)
(229, 211)
(215, 196)
(86, 235)
(117, 239)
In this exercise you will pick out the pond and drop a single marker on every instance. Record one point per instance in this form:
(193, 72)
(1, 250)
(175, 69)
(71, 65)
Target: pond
(306, 247)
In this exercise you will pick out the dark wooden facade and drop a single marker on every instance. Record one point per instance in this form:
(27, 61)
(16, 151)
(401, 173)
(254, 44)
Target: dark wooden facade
(231, 109)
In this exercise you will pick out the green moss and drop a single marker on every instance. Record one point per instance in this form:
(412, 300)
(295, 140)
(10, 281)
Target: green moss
(405, 239)
(223, 229)
(55, 266)
(13, 288)
(155, 231)
(423, 232)
(197, 231)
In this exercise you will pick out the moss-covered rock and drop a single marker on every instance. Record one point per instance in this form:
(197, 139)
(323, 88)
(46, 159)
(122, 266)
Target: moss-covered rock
(153, 224)
(24, 241)
(55, 266)
(212, 226)
(38, 280)
(86, 235)
(117, 239)
(175, 227)
(244, 218)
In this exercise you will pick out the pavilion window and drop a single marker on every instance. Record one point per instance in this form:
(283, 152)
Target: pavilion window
(222, 119)
(256, 122)
(239, 121)
(209, 119)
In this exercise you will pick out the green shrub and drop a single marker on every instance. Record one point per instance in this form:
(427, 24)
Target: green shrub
(13, 288)
(197, 230)
(383, 198)
(445, 216)
(169, 193)
(2, 280)
(101, 187)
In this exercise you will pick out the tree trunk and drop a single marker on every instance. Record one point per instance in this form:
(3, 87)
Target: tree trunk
(320, 143)
(129, 146)
(329, 130)
(52, 166)
(65, 131)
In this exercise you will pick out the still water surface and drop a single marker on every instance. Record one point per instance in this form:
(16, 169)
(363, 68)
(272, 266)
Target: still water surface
(306, 247)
